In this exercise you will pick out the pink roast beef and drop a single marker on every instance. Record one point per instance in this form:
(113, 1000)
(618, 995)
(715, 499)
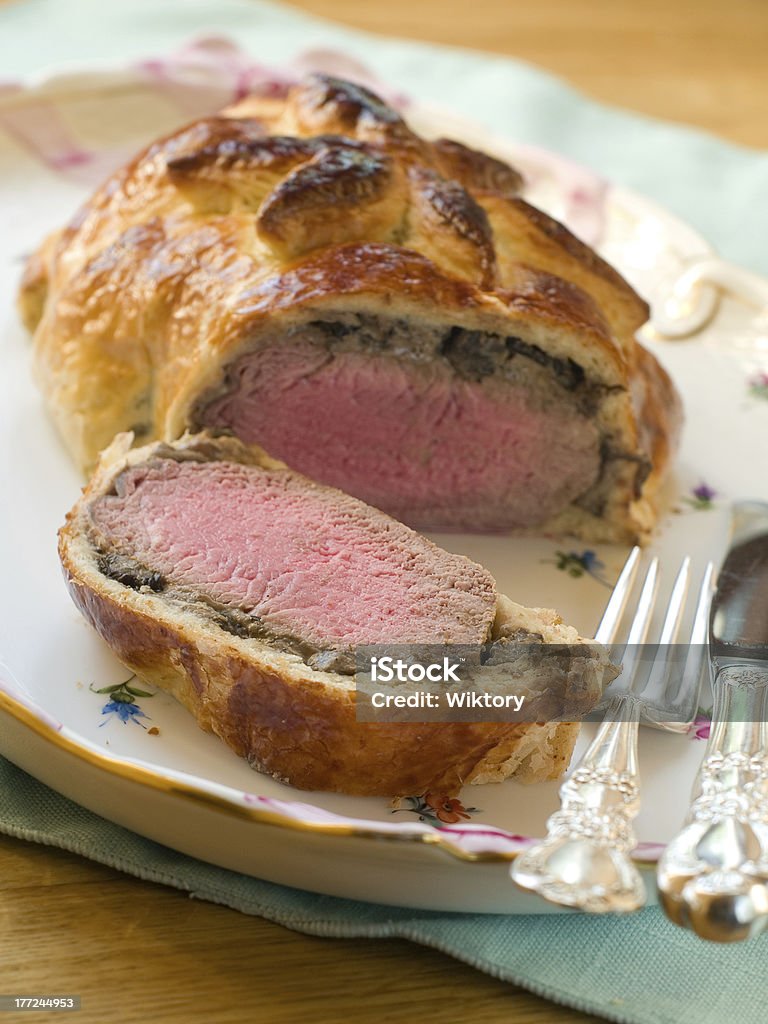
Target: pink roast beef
(443, 429)
(245, 590)
(301, 560)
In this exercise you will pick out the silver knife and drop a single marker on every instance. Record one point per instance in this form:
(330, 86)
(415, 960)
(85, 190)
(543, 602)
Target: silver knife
(713, 877)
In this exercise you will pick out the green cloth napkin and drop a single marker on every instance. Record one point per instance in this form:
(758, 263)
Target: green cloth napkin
(636, 969)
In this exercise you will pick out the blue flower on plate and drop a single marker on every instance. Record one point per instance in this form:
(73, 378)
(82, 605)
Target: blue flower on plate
(123, 702)
(125, 712)
(580, 563)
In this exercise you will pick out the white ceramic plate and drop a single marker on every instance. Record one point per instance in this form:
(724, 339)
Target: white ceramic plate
(159, 774)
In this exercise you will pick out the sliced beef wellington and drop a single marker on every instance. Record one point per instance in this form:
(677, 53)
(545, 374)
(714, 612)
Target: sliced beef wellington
(383, 313)
(243, 588)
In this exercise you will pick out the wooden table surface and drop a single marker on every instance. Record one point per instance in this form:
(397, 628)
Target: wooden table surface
(140, 952)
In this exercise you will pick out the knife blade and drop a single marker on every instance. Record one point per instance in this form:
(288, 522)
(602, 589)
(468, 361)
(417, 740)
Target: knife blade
(738, 626)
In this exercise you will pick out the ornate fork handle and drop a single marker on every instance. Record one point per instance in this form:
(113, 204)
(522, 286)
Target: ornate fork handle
(713, 877)
(584, 862)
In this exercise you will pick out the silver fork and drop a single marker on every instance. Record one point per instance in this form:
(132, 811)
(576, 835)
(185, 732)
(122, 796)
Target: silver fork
(585, 861)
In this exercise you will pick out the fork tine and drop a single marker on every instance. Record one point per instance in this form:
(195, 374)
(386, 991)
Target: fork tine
(657, 680)
(642, 619)
(701, 618)
(691, 677)
(631, 653)
(675, 710)
(614, 610)
(674, 615)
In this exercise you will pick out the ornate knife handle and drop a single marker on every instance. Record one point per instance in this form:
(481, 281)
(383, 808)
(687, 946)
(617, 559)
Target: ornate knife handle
(585, 860)
(713, 877)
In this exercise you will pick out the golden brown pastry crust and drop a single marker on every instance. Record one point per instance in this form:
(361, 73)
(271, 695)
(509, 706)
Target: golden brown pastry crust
(287, 719)
(324, 201)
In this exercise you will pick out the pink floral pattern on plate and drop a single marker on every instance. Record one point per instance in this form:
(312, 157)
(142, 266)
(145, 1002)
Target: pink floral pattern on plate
(757, 385)
(700, 727)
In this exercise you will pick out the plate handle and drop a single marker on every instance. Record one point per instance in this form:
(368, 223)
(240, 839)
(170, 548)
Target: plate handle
(692, 301)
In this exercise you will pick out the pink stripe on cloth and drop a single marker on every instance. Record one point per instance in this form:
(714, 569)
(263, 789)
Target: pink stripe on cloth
(211, 73)
(40, 128)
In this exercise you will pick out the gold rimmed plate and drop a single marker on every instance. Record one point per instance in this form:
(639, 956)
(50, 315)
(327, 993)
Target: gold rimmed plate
(141, 760)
